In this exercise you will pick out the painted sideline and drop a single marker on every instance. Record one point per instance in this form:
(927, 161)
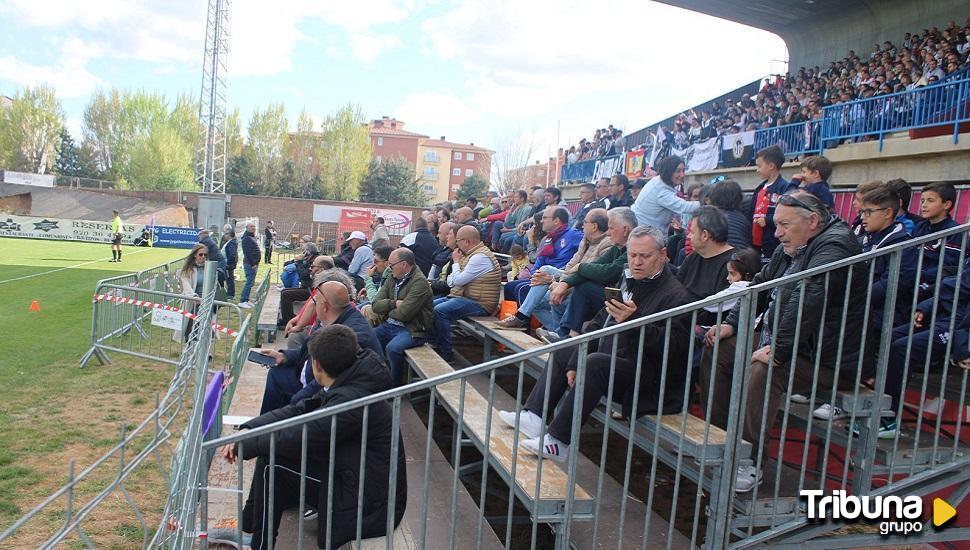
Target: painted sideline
(31, 276)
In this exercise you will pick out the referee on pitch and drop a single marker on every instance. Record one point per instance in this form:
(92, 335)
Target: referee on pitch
(116, 233)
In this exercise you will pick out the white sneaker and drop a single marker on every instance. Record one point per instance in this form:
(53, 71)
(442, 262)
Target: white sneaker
(551, 447)
(827, 412)
(530, 423)
(748, 477)
(798, 398)
(245, 305)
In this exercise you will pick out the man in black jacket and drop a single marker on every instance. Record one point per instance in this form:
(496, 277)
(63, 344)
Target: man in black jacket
(809, 237)
(346, 373)
(423, 244)
(230, 249)
(648, 287)
(251, 258)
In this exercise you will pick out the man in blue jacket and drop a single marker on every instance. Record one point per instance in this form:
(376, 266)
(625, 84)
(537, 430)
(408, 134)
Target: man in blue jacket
(555, 250)
(251, 259)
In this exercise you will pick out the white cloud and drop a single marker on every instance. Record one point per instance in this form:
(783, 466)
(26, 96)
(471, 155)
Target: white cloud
(68, 75)
(435, 109)
(367, 47)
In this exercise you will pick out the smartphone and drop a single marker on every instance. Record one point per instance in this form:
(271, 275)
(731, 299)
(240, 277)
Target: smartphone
(613, 294)
(261, 358)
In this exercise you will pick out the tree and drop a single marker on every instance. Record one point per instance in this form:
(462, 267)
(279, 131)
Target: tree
(234, 140)
(344, 153)
(392, 182)
(68, 162)
(300, 153)
(116, 123)
(240, 176)
(266, 140)
(512, 152)
(474, 186)
(162, 161)
(30, 130)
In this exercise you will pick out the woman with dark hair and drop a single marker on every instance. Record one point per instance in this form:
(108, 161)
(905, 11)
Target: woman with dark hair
(658, 203)
(191, 276)
(727, 196)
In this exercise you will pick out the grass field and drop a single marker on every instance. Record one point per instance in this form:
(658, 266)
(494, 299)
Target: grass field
(51, 410)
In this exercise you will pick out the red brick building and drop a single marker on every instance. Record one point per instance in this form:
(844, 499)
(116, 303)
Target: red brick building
(466, 160)
(389, 139)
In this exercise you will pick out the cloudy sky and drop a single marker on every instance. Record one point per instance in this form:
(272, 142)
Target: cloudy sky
(474, 71)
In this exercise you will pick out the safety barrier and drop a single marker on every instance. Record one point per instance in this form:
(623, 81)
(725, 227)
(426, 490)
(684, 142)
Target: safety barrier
(746, 417)
(797, 139)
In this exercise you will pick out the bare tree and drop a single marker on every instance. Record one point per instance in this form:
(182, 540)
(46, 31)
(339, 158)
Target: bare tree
(513, 152)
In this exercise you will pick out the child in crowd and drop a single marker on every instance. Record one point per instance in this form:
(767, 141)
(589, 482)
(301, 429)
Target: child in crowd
(520, 267)
(741, 269)
(936, 203)
(815, 174)
(860, 191)
(878, 210)
(905, 192)
(768, 164)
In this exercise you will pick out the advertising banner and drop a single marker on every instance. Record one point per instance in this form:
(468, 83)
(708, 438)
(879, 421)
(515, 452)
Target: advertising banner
(398, 222)
(59, 229)
(354, 219)
(27, 178)
(175, 237)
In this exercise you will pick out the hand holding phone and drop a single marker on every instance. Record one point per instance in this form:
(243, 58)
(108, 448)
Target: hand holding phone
(262, 358)
(613, 294)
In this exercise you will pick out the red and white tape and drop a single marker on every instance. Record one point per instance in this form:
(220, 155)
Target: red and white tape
(145, 303)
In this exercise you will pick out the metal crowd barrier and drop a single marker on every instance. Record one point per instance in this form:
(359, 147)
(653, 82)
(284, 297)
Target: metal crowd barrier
(797, 139)
(150, 442)
(801, 451)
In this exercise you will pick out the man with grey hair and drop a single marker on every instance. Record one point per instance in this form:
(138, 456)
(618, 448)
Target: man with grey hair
(582, 292)
(404, 307)
(647, 287)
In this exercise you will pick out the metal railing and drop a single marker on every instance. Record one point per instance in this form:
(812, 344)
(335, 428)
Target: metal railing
(797, 139)
(108, 478)
(692, 452)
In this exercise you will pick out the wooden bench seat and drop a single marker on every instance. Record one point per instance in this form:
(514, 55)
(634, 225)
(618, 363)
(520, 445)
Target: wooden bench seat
(269, 315)
(555, 485)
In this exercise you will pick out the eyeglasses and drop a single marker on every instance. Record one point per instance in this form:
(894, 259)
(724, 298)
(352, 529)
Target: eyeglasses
(791, 200)
(392, 264)
(201, 255)
(866, 212)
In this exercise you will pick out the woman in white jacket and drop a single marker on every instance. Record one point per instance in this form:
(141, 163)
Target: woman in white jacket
(658, 202)
(190, 278)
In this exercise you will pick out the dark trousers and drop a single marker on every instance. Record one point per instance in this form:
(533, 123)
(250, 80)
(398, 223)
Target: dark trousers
(282, 382)
(231, 282)
(268, 252)
(596, 383)
(584, 301)
(512, 288)
(289, 296)
(286, 494)
(932, 340)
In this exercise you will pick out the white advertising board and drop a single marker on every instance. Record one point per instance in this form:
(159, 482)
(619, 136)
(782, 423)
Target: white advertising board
(59, 229)
(26, 178)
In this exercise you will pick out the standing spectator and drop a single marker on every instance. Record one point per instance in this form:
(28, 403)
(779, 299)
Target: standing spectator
(767, 163)
(423, 244)
(587, 196)
(362, 259)
(815, 172)
(727, 195)
(476, 283)
(191, 278)
(620, 192)
(658, 203)
(230, 250)
(117, 233)
(379, 235)
(251, 257)
(404, 307)
(269, 240)
(215, 254)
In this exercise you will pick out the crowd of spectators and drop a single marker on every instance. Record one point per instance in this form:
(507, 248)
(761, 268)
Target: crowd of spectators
(920, 59)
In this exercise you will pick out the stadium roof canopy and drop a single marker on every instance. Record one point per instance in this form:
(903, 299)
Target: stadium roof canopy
(819, 31)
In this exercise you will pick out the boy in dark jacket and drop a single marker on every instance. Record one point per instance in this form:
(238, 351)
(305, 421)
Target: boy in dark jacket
(937, 201)
(815, 174)
(768, 164)
(346, 373)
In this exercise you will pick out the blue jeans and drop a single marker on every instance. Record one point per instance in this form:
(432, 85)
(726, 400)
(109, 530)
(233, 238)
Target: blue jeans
(549, 315)
(506, 240)
(446, 311)
(584, 301)
(395, 339)
(250, 271)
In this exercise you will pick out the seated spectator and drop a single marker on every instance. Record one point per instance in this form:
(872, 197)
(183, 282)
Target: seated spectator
(810, 237)
(587, 197)
(404, 306)
(936, 203)
(465, 216)
(442, 254)
(815, 174)
(475, 281)
(556, 249)
(595, 242)
(290, 380)
(423, 243)
(741, 269)
(521, 211)
(636, 187)
(289, 296)
(603, 194)
(582, 291)
(879, 209)
(658, 203)
(520, 268)
(705, 272)
(860, 191)
(295, 329)
(768, 162)
(362, 259)
(348, 373)
(379, 235)
(905, 193)
(649, 287)
(376, 274)
(620, 192)
(728, 197)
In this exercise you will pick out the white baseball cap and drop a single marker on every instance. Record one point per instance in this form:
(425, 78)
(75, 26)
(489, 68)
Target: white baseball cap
(357, 235)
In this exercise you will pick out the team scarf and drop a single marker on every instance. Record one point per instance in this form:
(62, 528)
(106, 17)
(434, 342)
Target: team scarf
(548, 244)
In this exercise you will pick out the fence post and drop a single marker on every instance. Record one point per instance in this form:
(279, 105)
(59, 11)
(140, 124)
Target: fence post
(959, 107)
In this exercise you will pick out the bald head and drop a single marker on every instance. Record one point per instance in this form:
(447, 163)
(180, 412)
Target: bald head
(335, 294)
(468, 238)
(463, 214)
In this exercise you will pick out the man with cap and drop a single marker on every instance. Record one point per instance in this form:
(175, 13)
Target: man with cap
(362, 259)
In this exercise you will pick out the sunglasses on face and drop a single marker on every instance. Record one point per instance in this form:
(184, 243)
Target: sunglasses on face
(202, 255)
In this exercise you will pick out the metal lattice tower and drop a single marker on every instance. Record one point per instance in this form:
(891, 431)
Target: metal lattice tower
(210, 168)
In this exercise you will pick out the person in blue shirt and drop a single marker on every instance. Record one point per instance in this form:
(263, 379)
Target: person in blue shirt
(877, 210)
(363, 257)
(658, 202)
(936, 202)
(905, 192)
(815, 174)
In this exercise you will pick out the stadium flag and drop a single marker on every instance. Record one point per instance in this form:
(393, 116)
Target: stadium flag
(634, 163)
(701, 156)
(661, 147)
(737, 149)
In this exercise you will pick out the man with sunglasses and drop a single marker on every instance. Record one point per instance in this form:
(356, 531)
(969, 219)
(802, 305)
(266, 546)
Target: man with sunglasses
(404, 305)
(809, 236)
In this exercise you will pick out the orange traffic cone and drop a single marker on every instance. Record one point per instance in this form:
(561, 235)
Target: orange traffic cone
(34, 305)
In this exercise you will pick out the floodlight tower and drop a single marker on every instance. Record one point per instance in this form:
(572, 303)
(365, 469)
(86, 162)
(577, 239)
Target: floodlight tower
(210, 168)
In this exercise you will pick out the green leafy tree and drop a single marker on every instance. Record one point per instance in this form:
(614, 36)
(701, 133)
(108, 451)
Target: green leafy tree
(301, 147)
(473, 186)
(234, 140)
(117, 123)
(266, 146)
(392, 182)
(30, 130)
(240, 176)
(162, 160)
(344, 153)
(68, 162)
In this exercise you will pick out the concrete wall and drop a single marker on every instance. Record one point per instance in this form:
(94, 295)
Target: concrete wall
(830, 38)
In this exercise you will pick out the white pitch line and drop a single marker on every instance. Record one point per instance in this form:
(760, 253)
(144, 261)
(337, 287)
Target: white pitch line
(65, 268)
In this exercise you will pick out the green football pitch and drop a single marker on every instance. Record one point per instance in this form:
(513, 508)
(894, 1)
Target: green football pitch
(51, 410)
